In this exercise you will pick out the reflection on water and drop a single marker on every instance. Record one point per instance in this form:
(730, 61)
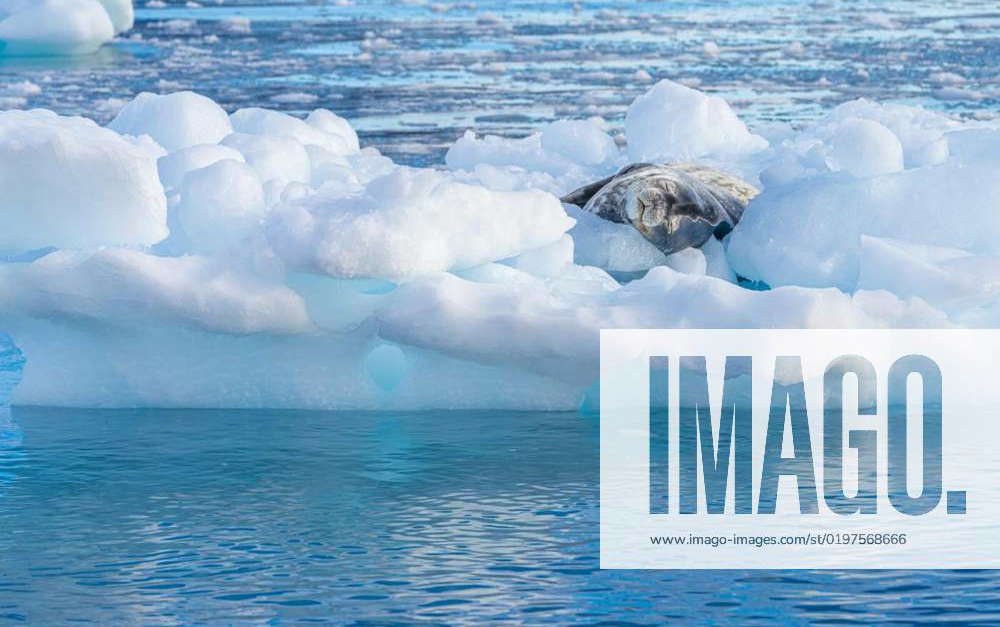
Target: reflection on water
(186, 516)
(11, 452)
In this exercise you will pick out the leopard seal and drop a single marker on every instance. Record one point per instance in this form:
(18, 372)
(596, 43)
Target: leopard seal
(674, 206)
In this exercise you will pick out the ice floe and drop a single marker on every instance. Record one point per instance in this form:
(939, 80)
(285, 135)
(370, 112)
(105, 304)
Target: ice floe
(186, 257)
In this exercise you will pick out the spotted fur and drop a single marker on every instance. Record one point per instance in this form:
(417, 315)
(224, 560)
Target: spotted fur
(675, 206)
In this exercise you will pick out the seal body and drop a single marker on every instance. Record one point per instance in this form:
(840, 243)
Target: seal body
(674, 206)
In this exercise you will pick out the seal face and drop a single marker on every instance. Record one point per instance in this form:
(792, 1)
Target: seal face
(675, 206)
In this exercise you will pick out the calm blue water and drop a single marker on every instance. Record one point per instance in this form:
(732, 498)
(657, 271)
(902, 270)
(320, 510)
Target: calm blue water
(167, 517)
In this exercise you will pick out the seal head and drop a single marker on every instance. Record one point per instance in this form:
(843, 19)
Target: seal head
(674, 206)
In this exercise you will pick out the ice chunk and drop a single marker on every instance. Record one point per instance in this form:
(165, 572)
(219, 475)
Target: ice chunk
(412, 222)
(949, 278)
(69, 183)
(975, 145)
(277, 157)
(573, 152)
(582, 141)
(671, 122)
(11, 363)
(862, 138)
(609, 245)
(237, 24)
(220, 205)
(174, 166)
(352, 171)
(55, 27)
(716, 261)
(808, 232)
(512, 178)
(548, 261)
(295, 97)
(865, 148)
(689, 261)
(806, 228)
(496, 273)
(325, 129)
(332, 124)
(920, 132)
(325, 166)
(527, 153)
(175, 121)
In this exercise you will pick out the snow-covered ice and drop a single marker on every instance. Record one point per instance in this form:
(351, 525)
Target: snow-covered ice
(410, 223)
(175, 121)
(672, 122)
(322, 128)
(219, 206)
(869, 170)
(185, 257)
(69, 183)
(174, 166)
(567, 150)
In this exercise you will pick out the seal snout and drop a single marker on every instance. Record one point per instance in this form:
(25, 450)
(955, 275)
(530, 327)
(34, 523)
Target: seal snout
(654, 205)
(650, 203)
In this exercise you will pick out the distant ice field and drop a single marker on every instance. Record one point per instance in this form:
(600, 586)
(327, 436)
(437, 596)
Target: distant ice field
(412, 75)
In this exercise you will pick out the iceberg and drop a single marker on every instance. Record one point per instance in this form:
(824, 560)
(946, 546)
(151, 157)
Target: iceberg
(183, 257)
(61, 27)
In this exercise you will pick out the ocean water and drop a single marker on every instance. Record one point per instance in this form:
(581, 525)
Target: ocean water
(187, 517)
(413, 75)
